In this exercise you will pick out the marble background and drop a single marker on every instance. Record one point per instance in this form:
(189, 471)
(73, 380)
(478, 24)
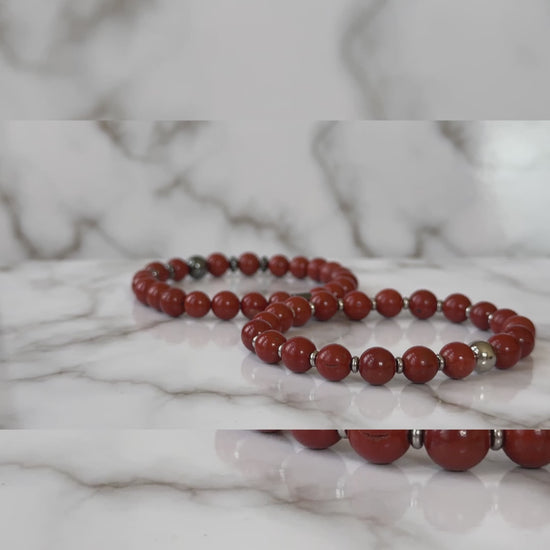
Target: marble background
(313, 59)
(96, 189)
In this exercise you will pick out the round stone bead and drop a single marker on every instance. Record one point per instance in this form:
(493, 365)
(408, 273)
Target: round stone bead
(335, 288)
(279, 296)
(326, 305)
(270, 318)
(300, 308)
(278, 265)
(197, 304)
(179, 268)
(357, 305)
(298, 267)
(252, 329)
(528, 448)
(457, 450)
(172, 302)
(161, 269)
(498, 318)
(479, 314)
(333, 362)
(379, 446)
(283, 312)
(217, 264)
(142, 274)
(343, 272)
(525, 338)
(507, 350)
(141, 287)
(252, 303)
(460, 360)
(249, 263)
(225, 305)
(519, 320)
(423, 304)
(197, 267)
(346, 283)
(389, 302)
(267, 345)
(155, 292)
(377, 366)
(420, 364)
(314, 267)
(325, 273)
(454, 307)
(316, 439)
(295, 353)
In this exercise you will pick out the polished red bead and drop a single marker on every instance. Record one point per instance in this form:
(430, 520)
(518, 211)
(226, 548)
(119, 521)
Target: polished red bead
(507, 350)
(389, 302)
(420, 364)
(344, 272)
(460, 360)
(251, 329)
(172, 302)
(278, 265)
(498, 318)
(197, 304)
(142, 274)
(423, 304)
(314, 267)
(279, 296)
(457, 450)
(298, 267)
(267, 345)
(225, 305)
(326, 305)
(179, 267)
(249, 263)
(336, 289)
(283, 312)
(325, 273)
(300, 308)
(333, 362)
(295, 353)
(454, 307)
(479, 314)
(252, 303)
(270, 318)
(525, 338)
(379, 446)
(377, 366)
(161, 269)
(519, 320)
(346, 283)
(141, 287)
(357, 305)
(316, 439)
(155, 292)
(528, 448)
(217, 264)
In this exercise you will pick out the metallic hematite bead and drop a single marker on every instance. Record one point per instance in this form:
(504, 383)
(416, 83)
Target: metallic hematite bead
(416, 437)
(355, 364)
(441, 361)
(405, 302)
(439, 307)
(497, 439)
(233, 263)
(264, 263)
(467, 311)
(197, 267)
(398, 365)
(340, 304)
(485, 355)
(343, 434)
(171, 271)
(312, 358)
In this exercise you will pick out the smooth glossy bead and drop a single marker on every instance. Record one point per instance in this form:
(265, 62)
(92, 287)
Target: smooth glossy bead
(346, 283)
(141, 287)
(420, 364)
(343, 272)
(249, 263)
(460, 360)
(252, 329)
(197, 267)
(316, 439)
(379, 446)
(295, 353)
(267, 345)
(423, 304)
(172, 302)
(300, 308)
(454, 307)
(278, 265)
(528, 448)
(333, 362)
(326, 305)
(298, 267)
(217, 264)
(336, 289)
(279, 296)
(519, 320)
(225, 305)
(507, 350)
(179, 268)
(457, 450)
(270, 318)
(252, 303)
(525, 338)
(498, 318)
(142, 274)
(377, 366)
(357, 305)
(283, 312)
(161, 270)
(389, 302)
(155, 292)
(325, 273)
(313, 268)
(197, 304)
(479, 314)
(485, 355)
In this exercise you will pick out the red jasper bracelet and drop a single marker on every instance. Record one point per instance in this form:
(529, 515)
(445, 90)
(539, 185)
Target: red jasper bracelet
(455, 450)
(514, 336)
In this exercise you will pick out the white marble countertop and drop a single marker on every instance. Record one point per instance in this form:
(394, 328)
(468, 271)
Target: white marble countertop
(204, 489)
(79, 352)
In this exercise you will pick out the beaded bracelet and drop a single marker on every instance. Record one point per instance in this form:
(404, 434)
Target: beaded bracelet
(455, 450)
(514, 336)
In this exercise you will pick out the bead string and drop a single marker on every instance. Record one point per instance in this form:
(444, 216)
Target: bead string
(513, 339)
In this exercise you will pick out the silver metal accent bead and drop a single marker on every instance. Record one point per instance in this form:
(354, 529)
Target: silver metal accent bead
(340, 304)
(312, 307)
(264, 263)
(233, 263)
(497, 439)
(171, 271)
(373, 302)
(405, 302)
(441, 360)
(312, 358)
(280, 351)
(439, 307)
(416, 437)
(154, 273)
(490, 317)
(485, 355)
(254, 341)
(355, 364)
(467, 311)
(343, 434)
(398, 365)
(197, 267)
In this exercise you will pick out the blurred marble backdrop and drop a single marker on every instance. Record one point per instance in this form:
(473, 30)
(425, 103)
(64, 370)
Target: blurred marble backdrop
(315, 59)
(79, 189)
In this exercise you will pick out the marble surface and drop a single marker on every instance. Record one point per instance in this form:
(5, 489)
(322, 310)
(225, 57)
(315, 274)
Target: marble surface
(206, 489)
(317, 59)
(80, 352)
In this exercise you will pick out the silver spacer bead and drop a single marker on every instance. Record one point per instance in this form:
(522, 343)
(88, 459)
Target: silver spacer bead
(233, 263)
(439, 306)
(154, 273)
(340, 304)
(497, 439)
(398, 365)
(312, 307)
(490, 317)
(467, 311)
(171, 271)
(197, 267)
(312, 358)
(416, 437)
(343, 434)
(373, 302)
(254, 341)
(441, 361)
(355, 364)
(485, 355)
(280, 350)
(264, 263)
(405, 302)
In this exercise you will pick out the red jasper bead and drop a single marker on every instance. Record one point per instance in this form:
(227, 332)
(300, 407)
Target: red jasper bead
(479, 314)
(316, 439)
(249, 263)
(389, 302)
(343, 272)
(283, 312)
(460, 360)
(326, 305)
(155, 292)
(336, 289)
(142, 274)
(325, 273)
(525, 338)
(298, 267)
(519, 320)
(295, 354)
(279, 296)
(252, 303)
(251, 329)
(420, 364)
(161, 269)
(454, 307)
(377, 366)
(300, 308)
(528, 448)
(507, 350)
(197, 304)
(357, 305)
(172, 302)
(498, 318)
(379, 446)
(225, 305)
(313, 268)
(217, 264)
(346, 283)
(267, 345)
(457, 450)
(179, 267)
(141, 287)
(333, 362)
(278, 265)
(423, 304)
(270, 318)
